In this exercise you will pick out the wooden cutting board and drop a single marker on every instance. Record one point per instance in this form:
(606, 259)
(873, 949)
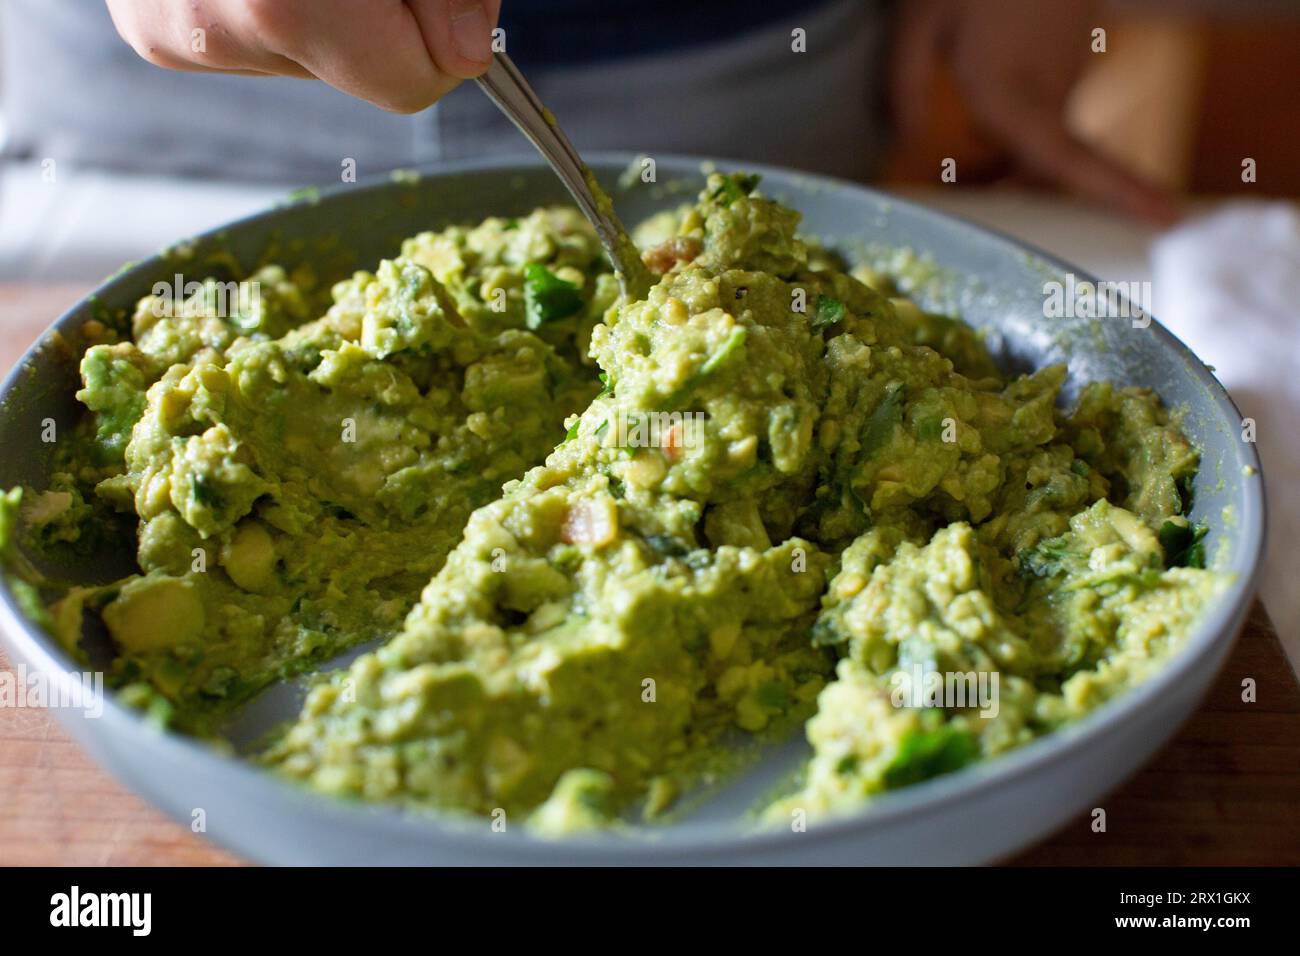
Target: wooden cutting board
(1224, 792)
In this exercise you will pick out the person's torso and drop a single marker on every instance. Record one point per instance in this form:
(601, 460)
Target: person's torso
(722, 78)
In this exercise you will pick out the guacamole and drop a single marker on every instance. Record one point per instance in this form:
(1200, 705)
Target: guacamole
(598, 543)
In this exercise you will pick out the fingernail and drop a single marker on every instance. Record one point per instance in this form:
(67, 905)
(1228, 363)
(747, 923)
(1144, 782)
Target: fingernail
(471, 30)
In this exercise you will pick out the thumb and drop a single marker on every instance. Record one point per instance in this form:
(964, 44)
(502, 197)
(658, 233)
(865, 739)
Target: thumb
(458, 33)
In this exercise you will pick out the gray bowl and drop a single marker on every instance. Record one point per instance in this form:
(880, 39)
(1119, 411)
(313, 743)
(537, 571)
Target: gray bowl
(976, 815)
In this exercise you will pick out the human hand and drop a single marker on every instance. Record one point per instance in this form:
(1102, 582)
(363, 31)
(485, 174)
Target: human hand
(401, 55)
(1015, 63)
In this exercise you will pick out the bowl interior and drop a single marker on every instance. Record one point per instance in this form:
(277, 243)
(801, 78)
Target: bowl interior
(989, 281)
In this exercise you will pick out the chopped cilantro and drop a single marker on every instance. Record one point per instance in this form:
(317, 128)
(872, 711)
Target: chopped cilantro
(829, 311)
(733, 187)
(726, 351)
(547, 297)
(1184, 544)
(929, 753)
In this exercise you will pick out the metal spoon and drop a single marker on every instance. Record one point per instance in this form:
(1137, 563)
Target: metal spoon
(510, 91)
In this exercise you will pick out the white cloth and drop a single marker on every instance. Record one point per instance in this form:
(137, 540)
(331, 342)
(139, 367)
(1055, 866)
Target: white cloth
(86, 224)
(1228, 284)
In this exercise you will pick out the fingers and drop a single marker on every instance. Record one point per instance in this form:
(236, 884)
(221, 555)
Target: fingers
(373, 50)
(195, 40)
(401, 56)
(1040, 141)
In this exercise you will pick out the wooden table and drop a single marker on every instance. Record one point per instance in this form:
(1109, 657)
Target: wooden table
(1224, 792)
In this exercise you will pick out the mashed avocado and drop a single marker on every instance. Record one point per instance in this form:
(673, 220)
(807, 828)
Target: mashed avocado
(781, 493)
(297, 481)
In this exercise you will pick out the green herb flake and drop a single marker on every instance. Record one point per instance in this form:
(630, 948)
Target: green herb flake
(733, 187)
(725, 352)
(930, 753)
(829, 311)
(547, 297)
(1184, 544)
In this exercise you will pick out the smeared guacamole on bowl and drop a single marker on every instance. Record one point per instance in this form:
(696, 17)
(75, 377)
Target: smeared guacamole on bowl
(597, 544)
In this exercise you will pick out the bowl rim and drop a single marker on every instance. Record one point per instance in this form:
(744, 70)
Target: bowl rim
(1216, 629)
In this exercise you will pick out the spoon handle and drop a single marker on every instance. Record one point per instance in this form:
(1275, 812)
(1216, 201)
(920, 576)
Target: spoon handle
(506, 86)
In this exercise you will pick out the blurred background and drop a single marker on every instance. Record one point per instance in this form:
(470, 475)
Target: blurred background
(1185, 90)
(105, 159)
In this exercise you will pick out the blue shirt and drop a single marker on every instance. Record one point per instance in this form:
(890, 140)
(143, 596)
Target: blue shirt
(549, 33)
